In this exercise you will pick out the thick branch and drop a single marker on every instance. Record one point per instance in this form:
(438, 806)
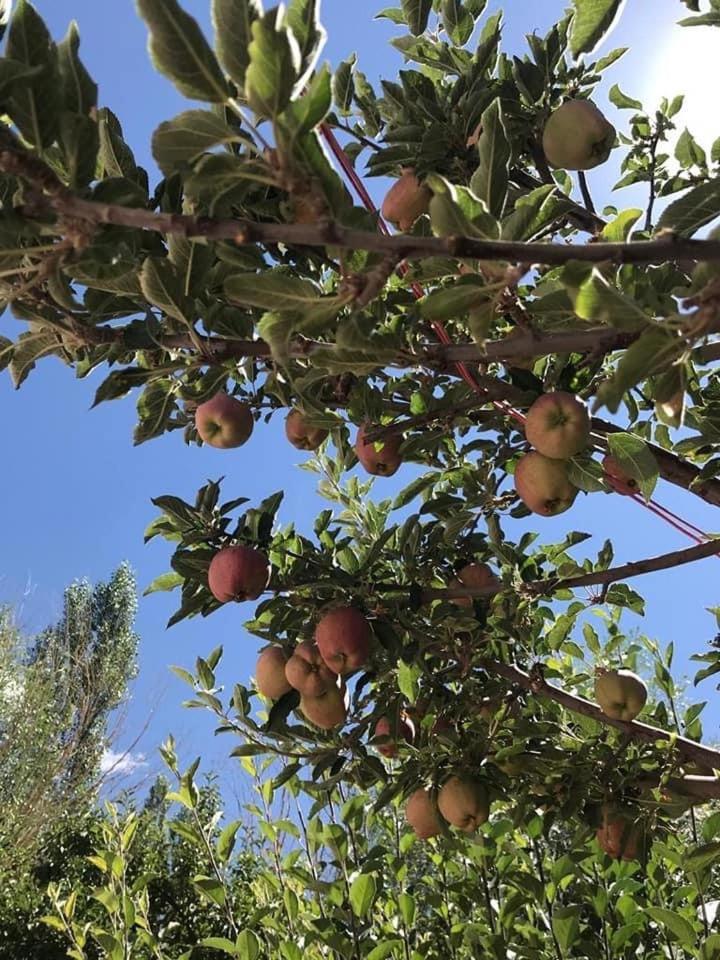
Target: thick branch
(688, 749)
(15, 160)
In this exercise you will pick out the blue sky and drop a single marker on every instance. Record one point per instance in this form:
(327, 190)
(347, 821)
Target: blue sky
(77, 494)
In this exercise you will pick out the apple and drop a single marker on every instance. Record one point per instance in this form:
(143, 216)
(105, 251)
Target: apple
(270, 678)
(238, 573)
(475, 576)
(224, 421)
(615, 477)
(406, 200)
(327, 711)
(404, 729)
(543, 485)
(620, 835)
(463, 802)
(558, 425)
(344, 639)
(307, 672)
(382, 462)
(577, 136)
(620, 693)
(301, 434)
(421, 814)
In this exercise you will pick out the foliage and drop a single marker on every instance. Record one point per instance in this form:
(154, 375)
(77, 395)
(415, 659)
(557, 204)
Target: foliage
(248, 268)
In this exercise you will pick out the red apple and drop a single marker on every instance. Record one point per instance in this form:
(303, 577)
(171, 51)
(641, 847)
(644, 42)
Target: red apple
(463, 802)
(238, 573)
(615, 477)
(406, 200)
(307, 672)
(224, 421)
(403, 730)
(344, 639)
(329, 710)
(475, 576)
(270, 678)
(558, 425)
(301, 434)
(543, 485)
(382, 462)
(620, 835)
(421, 814)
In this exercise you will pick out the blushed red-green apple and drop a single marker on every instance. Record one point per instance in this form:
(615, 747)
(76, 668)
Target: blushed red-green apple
(421, 814)
(577, 136)
(344, 639)
(464, 803)
(475, 576)
(543, 484)
(620, 693)
(307, 672)
(270, 678)
(404, 729)
(238, 573)
(558, 425)
(620, 835)
(406, 200)
(329, 710)
(224, 421)
(301, 434)
(617, 478)
(382, 460)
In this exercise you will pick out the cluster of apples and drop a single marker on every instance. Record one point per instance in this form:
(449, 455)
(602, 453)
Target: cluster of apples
(317, 668)
(558, 427)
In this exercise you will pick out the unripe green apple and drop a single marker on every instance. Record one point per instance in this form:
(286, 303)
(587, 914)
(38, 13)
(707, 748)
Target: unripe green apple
(620, 693)
(577, 136)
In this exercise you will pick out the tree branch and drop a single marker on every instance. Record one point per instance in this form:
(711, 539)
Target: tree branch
(17, 161)
(688, 749)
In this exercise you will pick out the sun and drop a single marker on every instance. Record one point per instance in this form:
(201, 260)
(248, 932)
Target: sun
(683, 65)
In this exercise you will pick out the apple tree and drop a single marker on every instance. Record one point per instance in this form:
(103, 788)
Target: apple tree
(515, 346)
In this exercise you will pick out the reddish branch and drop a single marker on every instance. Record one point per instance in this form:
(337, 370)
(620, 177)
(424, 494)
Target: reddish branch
(687, 749)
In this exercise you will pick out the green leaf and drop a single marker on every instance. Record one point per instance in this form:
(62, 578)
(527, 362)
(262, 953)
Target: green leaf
(417, 13)
(622, 101)
(362, 894)
(248, 945)
(407, 908)
(310, 110)
(220, 943)
(5, 11)
(635, 458)
(592, 21)
(618, 230)
(226, 841)
(303, 18)
(211, 889)
(232, 21)
(35, 104)
(27, 350)
(701, 857)
(490, 180)
(343, 85)
(163, 287)
(451, 302)
(415, 487)
(457, 21)
(385, 949)
(566, 926)
(273, 69)
(681, 929)
(699, 206)
(166, 581)
(272, 291)
(79, 89)
(180, 51)
(177, 142)
(655, 350)
(80, 146)
(688, 151)
(586, 474)
(598, 300)
(408, 677)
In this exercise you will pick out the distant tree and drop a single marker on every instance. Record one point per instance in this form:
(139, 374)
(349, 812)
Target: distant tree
(57, 693)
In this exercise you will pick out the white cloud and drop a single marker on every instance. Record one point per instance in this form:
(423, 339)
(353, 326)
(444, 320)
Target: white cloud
(113, 761)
